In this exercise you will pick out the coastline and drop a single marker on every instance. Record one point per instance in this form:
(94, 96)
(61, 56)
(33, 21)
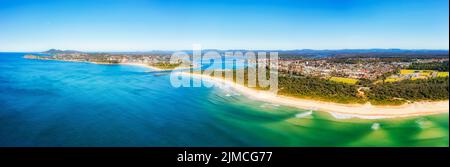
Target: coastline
(142, 65)
(99, 63)
(337, 110)
(343, 111)
(152, 67)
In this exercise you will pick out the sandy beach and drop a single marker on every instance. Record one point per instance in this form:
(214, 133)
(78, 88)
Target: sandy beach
(143, 65)
(338, 110)
(154, 68)
(363, 111)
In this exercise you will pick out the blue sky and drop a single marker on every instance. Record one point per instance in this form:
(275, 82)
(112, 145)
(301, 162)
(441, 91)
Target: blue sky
(142, 25)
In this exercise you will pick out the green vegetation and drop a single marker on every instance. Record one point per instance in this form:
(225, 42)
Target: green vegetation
(409, 90)
(102, 61)
(386, 75)
(166, 65)
(318, 89)
(405, 74)
(389, 93)
(438, 66)
(340, 90)
(245, 78)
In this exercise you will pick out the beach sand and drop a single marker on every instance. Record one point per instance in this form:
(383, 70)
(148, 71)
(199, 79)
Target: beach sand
(363, 111)
(143, 65)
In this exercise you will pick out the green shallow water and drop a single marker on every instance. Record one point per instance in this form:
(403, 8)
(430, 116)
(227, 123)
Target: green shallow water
(50, 103)
(273, 123)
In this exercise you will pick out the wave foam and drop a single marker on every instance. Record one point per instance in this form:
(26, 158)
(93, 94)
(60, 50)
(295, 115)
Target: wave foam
(303, 115)
(349, 116)
(375, 126)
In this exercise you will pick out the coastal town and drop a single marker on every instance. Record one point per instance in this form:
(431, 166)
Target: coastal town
(348, 70)
(364, 68)
(234, 79)
(363, 78)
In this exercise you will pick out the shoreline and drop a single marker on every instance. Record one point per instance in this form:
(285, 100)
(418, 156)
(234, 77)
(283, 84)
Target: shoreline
(153, 67)
(337, 110)
(340, 111)
(142, 65)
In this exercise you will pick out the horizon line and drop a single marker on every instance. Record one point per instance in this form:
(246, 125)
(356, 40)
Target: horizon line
(222, 49)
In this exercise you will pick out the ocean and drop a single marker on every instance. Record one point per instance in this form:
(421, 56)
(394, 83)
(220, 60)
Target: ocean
(54, 103)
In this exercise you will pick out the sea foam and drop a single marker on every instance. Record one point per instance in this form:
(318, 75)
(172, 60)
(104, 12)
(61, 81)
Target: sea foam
(303, 115)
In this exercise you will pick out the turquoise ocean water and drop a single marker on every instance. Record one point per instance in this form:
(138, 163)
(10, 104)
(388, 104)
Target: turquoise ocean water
(52, 103)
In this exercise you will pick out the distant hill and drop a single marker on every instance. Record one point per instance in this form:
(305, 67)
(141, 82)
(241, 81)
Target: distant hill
(56, 51)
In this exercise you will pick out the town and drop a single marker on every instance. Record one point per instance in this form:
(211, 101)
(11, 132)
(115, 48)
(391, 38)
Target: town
(357, 68)
(340, 69)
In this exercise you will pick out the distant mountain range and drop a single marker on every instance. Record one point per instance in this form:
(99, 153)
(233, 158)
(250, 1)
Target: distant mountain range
(56, 51)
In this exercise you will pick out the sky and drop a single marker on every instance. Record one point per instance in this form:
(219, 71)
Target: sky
(144, 25)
